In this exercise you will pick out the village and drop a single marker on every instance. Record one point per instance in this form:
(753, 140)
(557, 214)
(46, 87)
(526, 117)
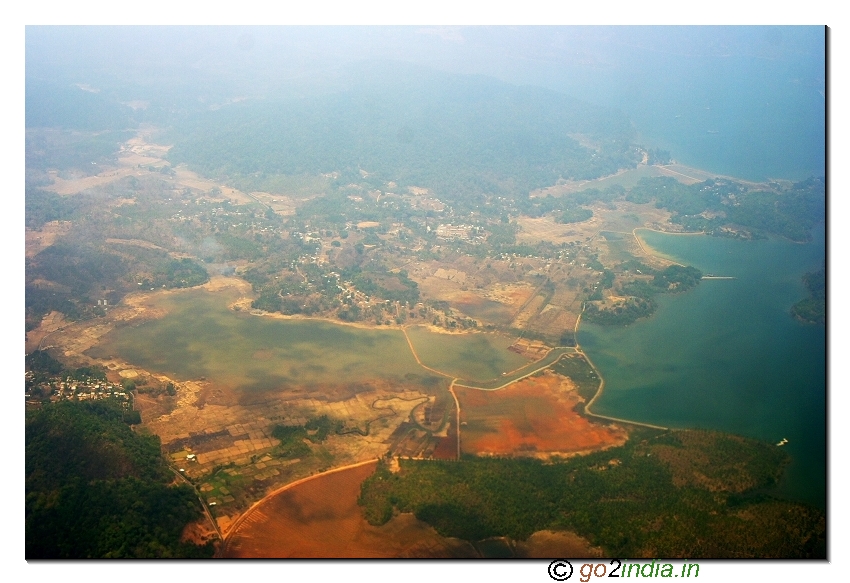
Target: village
(69, 389)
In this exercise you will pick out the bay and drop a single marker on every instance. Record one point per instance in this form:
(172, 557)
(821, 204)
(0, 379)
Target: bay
(727, 355)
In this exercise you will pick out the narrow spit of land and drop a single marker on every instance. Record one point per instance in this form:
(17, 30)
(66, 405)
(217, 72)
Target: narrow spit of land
(601, 387)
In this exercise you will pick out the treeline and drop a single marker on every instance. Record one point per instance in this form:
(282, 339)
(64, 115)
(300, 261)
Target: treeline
(813, 308)
(621, 314)
(638, 500)
(96, 489)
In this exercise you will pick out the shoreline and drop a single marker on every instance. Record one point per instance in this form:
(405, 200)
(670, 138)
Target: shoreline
(601, 388)
(649, 250)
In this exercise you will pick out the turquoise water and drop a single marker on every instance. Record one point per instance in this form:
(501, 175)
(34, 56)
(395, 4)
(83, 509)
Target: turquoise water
(727, 355)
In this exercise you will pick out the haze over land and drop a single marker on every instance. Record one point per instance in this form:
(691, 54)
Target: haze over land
(287, 251)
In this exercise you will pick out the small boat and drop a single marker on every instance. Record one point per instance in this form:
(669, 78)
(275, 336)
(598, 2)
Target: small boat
(781, 443)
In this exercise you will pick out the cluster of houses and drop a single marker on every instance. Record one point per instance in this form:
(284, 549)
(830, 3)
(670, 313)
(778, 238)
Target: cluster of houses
(81, 390)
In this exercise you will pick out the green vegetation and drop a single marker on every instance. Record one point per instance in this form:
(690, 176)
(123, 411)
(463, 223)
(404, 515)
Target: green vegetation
(677, 278)
(788, 211)
(42, 206)
(72, 276)
(621, 314)
(813, 308)
(54, 104)
(580, 372)
(574, 215)
(658, 156)
(292, 437)
(459, 136)
(674, 494)
(639, 294)
(96, 489)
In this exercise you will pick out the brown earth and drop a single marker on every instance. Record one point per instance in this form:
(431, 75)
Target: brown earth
(546, 229)
(320, 518)
(49, 324)
(225, 426)
(68, 186)
(532, 417)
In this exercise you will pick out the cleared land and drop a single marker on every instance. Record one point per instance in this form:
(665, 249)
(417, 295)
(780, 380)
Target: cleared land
(532, 417)
(320, 518)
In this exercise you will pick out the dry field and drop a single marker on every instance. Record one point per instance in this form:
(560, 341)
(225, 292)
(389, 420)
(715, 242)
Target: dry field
(626, 179)
(546, 229)
(492, 293)
(68, 186)
(623, 216)
(368, 224)
(36, 241)
(229, 428)
(49, 324)
(136, 156)
(554, 321)
(186, 178)
(279, 203)
(532, 417)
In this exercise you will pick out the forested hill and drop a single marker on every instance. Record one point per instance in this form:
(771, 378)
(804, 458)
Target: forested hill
(453, 134)
(96, 489)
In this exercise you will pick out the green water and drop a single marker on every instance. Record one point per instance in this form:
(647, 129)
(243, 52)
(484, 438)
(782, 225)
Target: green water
(727, 355)
(474, 357)
(201, 337)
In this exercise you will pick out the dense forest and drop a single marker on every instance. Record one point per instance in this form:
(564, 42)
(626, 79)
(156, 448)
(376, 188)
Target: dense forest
(673, 494)
(96, 489)
(457, 135)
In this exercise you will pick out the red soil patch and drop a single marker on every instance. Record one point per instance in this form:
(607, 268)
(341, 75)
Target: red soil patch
(534, 417)
(320, 518)
(447, 446)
